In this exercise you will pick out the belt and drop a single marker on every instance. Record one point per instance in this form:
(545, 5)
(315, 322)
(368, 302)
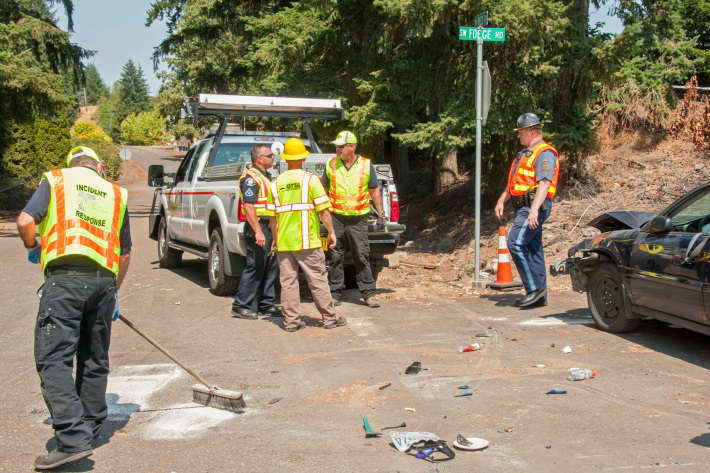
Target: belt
(80, 271)
(520, 200)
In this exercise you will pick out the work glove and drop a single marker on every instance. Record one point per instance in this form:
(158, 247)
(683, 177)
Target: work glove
(34, 253)
(116, 311)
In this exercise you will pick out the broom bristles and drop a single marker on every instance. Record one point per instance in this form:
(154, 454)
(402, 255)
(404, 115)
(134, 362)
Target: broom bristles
(218, 398)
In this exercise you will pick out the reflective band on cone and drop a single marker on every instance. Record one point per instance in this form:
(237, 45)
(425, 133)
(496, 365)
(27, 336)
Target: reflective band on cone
(505, 272)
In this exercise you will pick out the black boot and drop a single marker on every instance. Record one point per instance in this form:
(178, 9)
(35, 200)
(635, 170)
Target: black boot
(531, 298)
(57, 458)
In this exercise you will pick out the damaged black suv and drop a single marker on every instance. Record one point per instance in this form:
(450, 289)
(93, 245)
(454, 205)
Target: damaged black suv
(647, 265)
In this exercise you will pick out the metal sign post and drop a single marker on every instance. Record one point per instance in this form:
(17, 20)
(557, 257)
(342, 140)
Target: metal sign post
(480, 34)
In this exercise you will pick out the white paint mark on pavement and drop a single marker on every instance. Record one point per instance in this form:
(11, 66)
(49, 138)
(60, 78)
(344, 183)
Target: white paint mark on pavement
(130, 390)
(130, 387)
(184, 423)
(551, 322)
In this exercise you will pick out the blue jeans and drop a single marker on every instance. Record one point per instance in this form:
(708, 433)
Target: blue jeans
(525, 245)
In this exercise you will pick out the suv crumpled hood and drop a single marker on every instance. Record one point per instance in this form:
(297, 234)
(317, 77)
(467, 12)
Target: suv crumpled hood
(621, 220)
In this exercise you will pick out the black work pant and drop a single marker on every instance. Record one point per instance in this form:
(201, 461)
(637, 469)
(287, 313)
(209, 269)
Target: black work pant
(74, 321)
(354, 230)
(260, 274)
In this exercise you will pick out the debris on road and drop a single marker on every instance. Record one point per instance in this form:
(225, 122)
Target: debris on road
(465, 386)
(368, 430)
(464, 395)
(400, 426)
(484, 335)
(414, 368)
(580, 374)
(385, 386)
(472, 347)
(540, 365)
(471, 443)
(410, 409)
(403, 441)
(567, 349)
(275, 400)
(557, 391)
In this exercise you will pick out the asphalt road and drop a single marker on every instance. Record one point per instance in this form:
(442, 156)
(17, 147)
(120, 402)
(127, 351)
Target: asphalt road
(647, 410)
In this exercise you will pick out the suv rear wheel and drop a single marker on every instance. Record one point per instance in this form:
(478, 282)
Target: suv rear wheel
(221, 284)
(167, 257)
(605, 297)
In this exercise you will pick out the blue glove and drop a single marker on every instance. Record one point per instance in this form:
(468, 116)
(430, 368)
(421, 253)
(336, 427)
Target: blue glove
(116, 312)
(34, 254)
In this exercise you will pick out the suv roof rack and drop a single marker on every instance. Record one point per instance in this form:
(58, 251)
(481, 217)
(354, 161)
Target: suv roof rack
(260, 106)
(290, 134)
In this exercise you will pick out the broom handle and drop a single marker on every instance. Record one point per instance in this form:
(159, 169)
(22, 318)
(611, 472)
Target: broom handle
(165, 352)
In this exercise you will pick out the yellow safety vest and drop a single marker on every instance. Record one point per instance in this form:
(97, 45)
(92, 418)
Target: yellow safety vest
(348, 192)
(262, 206)
(298, 196)
(84, 218)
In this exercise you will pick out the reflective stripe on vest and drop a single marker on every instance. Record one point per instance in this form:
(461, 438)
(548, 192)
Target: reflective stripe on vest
(342, 202)
(81, 206)
(296, 200)
(524, 179)
(262, 207)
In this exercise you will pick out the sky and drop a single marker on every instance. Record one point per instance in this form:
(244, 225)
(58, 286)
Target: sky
(117, 32)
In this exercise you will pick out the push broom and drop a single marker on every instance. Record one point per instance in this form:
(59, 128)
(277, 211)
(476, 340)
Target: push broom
(206, 393)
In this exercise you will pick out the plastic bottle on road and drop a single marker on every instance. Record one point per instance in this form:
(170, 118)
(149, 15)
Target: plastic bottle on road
(579, 374)
(472, 347)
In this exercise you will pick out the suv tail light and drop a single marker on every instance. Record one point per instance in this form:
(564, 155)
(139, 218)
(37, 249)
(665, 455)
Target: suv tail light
(394, 207)
(241, 216)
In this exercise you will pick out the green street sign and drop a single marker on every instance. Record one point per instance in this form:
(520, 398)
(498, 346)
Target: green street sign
(469, 33)
(481, 20)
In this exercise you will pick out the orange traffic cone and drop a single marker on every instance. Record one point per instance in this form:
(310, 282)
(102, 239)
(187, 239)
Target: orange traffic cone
(505, 273)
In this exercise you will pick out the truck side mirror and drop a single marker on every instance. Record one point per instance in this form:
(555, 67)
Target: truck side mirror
(155, 175)
(660, 224)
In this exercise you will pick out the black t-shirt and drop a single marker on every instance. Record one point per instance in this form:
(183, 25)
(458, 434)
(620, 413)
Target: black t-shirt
(250, 188)
(38, 206)
(373, 184)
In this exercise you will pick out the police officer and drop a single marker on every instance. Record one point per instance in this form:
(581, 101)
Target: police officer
(259, 275)
(299, 198)
(351, 181)
(84, 252)
(532, 183)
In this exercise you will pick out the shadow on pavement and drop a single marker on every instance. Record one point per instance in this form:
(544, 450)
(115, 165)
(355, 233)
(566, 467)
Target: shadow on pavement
(194, 270)
(703, 439)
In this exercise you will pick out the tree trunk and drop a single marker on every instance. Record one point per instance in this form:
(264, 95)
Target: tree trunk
(447, 172)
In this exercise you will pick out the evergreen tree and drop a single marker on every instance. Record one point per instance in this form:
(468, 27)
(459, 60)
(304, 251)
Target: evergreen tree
(95, 87)
(133, 92)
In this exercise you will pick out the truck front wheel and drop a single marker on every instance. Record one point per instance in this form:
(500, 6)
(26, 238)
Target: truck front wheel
(167, 257)
(220, 283)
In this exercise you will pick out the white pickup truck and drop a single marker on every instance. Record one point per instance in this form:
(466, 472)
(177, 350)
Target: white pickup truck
(199, 211)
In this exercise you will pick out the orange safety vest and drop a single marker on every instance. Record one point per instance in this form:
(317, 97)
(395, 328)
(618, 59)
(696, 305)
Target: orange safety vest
(349, 204)
(262, 206)
(524, 179)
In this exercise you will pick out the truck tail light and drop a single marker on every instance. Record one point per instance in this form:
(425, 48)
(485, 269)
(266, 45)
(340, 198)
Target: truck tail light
(394, 207)
(241, 215)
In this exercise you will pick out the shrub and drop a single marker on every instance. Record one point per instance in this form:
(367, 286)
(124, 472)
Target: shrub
(89, 131)
(107, 151)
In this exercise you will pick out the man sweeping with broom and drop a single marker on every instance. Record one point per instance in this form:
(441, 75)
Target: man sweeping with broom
(84, 252)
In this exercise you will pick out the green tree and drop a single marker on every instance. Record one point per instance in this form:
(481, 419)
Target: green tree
(95, 87)
(143, 129)
(40, 74)
(133, 96)
(108, 117)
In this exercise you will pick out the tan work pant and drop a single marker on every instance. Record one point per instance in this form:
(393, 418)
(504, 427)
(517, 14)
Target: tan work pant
(312, 263)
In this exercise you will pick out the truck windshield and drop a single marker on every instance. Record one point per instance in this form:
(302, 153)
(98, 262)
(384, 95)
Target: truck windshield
(233, 153)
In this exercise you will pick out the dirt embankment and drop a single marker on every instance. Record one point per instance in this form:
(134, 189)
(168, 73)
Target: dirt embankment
(632, 172)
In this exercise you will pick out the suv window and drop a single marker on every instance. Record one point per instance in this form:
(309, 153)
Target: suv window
(182, 170)
(233, 153)
(193, 164)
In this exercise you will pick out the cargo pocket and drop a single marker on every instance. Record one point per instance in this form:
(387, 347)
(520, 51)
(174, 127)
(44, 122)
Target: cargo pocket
(45, 334)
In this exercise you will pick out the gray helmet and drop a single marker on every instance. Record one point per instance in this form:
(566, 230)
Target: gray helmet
(528, 120)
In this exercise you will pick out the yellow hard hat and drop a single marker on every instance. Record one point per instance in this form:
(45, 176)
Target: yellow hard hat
(82, 151)
(294, 150)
